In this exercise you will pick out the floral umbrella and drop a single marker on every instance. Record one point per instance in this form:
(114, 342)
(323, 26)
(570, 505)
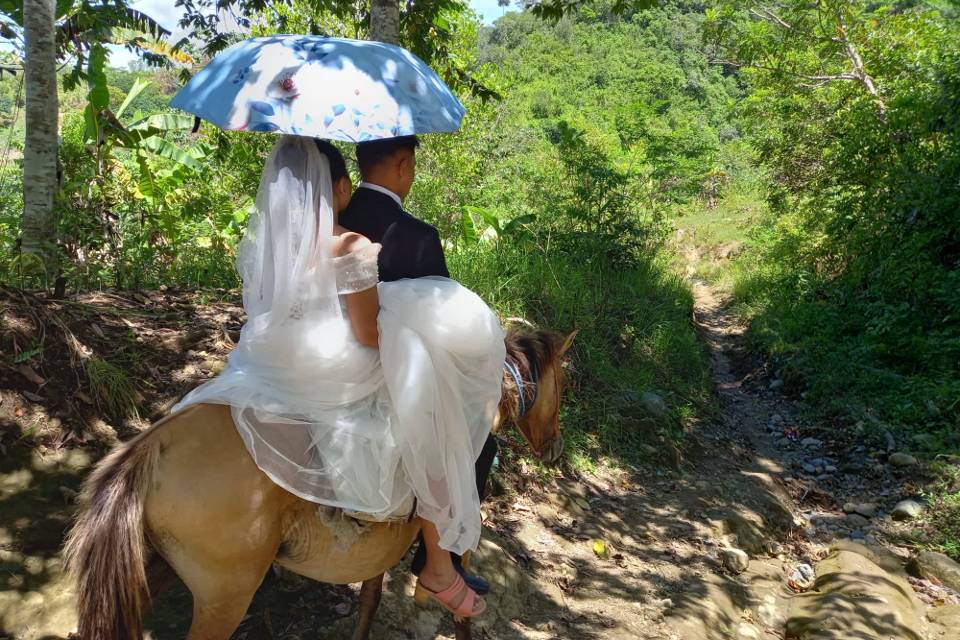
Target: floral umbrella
(333, 88)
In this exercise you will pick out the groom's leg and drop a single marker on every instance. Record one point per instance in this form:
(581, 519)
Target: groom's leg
(482, 468)
(485, 464)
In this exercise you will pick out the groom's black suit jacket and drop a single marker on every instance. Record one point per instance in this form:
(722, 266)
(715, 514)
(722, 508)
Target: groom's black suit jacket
(411, 247)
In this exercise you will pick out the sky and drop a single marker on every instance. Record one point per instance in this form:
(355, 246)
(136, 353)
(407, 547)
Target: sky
(164, 12)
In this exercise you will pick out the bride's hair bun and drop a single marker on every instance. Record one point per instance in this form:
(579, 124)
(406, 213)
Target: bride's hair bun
(338, 166)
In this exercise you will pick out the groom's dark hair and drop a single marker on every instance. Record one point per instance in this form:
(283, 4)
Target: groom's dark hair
(338, 166)
(372, 153)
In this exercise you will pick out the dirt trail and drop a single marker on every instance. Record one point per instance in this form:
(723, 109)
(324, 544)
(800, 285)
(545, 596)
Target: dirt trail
(674, 534)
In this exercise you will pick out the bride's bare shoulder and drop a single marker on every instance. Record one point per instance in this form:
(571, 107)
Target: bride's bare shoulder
(348, 242)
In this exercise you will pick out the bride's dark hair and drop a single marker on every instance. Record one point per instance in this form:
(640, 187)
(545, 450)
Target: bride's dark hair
(338, 166)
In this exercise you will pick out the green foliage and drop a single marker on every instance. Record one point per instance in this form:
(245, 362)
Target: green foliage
(853, 279)
(551, 202)
(944, 519)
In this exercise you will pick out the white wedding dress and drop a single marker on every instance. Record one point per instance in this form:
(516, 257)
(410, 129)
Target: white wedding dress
(333, 421)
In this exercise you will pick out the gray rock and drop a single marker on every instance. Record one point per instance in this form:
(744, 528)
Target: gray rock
(809, 468)
(735, 560)
(907, 510)
(802, 577)
(854, 598)
(784, 442)
(654, 405)
(866, 509)
(855, 521)
(930, 564)
(811, 443)
(900, 459)
(830, 468)
(776, 384)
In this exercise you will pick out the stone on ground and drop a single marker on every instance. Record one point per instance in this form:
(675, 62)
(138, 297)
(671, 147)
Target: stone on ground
(654, 405)
(879, 555)
(907, 510)
(735, 560)
(900, 459)
(865, 509)
(856, 521)
(855, 598)
(930, 564)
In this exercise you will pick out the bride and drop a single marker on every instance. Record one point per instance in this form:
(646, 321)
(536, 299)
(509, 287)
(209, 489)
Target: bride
(355, 393)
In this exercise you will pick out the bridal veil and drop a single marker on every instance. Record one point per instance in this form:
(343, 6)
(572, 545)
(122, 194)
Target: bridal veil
(333, 421)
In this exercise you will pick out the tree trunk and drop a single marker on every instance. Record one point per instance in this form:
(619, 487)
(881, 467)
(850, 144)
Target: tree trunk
(40, 145)
(385, 21)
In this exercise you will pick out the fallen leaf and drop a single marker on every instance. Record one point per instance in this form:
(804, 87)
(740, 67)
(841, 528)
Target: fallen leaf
(600, 549)
(32, 396)
(18, 412)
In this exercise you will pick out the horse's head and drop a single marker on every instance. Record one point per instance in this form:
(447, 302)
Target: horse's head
(533, 387)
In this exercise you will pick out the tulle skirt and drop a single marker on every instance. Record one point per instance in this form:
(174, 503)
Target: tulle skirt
(363, 429)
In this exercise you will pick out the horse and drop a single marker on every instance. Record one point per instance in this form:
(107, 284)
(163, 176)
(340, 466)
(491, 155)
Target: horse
(185, 497)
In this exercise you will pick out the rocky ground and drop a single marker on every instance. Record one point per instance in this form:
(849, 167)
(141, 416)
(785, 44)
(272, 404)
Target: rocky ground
(764, 527)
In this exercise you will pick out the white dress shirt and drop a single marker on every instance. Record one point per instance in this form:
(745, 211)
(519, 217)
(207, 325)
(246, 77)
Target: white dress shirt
(383, 190)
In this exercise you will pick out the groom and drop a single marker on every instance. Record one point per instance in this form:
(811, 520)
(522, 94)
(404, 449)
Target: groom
(411, 249)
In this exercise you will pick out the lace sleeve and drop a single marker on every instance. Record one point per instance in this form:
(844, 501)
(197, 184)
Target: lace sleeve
(358, 271)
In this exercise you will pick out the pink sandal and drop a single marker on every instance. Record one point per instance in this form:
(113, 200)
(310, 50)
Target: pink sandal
(422, 595)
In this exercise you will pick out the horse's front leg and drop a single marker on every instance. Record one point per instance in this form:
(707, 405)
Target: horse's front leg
(461, 629)
(370, 593)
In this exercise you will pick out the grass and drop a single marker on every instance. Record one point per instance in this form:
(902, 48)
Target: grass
(944, 518)
(635, 336)
(718, 234)
(111, 388)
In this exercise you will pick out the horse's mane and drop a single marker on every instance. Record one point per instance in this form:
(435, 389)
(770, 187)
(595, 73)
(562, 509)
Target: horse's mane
(531, 351)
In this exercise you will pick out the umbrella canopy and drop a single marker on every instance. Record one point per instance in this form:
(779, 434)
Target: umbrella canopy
(333, 88)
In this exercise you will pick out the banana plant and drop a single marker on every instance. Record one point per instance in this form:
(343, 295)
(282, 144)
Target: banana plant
(83, 26)
(496, 228)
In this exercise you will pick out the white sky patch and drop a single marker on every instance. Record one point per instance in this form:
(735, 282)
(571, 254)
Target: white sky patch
(168, 15)
(163, 11)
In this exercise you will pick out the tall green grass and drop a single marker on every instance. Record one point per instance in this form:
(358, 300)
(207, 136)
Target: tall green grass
(635, 336)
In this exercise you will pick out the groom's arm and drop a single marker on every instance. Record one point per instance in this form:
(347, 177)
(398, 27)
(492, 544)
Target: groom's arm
(412, 249)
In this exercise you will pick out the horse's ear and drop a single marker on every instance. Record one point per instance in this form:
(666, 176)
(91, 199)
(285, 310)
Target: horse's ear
(567, 343)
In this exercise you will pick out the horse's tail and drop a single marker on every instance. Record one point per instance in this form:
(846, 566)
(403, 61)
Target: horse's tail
(107, 549)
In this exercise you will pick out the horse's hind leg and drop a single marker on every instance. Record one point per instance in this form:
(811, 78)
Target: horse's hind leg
(221, 599)
(222, 581)
(370, 593)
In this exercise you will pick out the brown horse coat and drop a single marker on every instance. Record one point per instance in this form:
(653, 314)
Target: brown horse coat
(187, 493)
